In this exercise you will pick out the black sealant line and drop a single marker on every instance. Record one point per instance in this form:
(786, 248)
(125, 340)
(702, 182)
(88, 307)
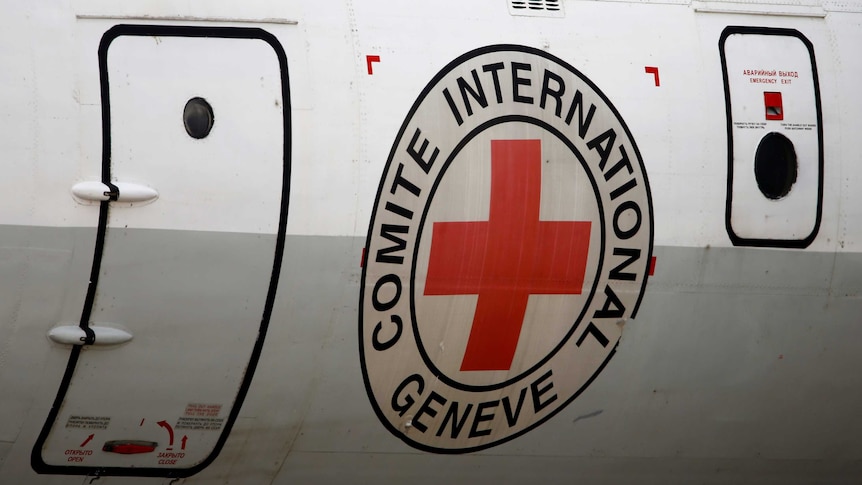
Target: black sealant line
(36, 461)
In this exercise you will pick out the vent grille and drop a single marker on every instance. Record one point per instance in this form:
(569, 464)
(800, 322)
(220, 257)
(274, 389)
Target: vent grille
(537, 8)
(551, 5)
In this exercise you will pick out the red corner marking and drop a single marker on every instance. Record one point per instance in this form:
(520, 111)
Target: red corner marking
(369, 60)
(654, 72)
(508, 257)
(652, 266)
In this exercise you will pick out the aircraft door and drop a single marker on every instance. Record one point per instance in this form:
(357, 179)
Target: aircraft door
(775, 137)
(192, 217)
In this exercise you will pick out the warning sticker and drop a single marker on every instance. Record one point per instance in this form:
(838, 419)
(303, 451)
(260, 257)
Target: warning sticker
(203, 410)
(88, 422)
(799, 126)
(750, 125)
(205, 424)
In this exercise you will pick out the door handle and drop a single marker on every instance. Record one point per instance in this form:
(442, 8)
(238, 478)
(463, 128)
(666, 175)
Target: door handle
(92, 191)
(130, 447)
(75, 335)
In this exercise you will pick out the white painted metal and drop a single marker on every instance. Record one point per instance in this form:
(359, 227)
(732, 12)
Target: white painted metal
(812, 9)
(739, 368)
(186, 18)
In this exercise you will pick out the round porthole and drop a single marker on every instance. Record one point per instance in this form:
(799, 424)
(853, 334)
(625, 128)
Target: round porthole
(775, 166)
(198, 118)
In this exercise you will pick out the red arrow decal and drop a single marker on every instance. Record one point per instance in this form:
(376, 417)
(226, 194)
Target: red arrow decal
(87, 440)
(183, 441)
(164, 424)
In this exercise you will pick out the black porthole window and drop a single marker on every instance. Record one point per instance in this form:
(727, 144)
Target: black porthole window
(775, 165)
(198, 118)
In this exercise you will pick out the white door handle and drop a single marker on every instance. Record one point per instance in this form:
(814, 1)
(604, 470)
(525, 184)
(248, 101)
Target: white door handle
(92, 191)
(75, 335)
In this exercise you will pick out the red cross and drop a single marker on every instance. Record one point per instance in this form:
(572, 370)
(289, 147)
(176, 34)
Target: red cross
(507, 258)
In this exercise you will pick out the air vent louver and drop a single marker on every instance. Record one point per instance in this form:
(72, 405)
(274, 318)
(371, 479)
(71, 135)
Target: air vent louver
(537, 8)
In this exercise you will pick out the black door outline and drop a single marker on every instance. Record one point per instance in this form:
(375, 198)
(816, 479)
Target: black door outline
(36, 461)
(757, 242)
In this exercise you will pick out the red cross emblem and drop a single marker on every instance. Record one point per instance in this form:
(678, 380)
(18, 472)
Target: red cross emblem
(507, 258)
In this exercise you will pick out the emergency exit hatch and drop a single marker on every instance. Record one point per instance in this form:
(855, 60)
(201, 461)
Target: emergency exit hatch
(775, 137)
